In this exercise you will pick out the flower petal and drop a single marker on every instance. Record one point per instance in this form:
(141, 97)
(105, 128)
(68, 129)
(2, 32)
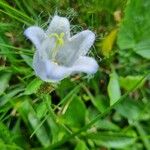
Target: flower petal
(48, 70)
(77, 46)
(36, 35)
(59, 25)
(39, 66)
(85, 64)
(46, 48)
(56, 72)
(84, 40)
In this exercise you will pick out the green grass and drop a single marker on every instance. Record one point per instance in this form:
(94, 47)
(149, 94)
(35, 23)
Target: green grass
(108, 111)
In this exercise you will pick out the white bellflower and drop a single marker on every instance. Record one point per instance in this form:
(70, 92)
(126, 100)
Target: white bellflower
(59, 55)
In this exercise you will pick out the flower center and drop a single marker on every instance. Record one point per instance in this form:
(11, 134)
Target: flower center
(59, 42)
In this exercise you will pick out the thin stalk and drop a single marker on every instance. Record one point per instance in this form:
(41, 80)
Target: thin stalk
(4, 5)
(18, 19)
(19, 6)
(16, 48)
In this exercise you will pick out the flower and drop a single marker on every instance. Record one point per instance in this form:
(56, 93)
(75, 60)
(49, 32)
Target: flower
(59, 55)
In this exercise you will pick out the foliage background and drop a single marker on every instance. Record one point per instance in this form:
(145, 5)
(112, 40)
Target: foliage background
(108, 111)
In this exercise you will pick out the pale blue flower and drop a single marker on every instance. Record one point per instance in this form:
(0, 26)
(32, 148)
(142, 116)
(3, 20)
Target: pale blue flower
(59, 55)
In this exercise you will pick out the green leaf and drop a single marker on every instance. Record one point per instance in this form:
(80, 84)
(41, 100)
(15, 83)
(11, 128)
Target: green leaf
(143, 48)
(16, 14)
(10, 95)
(130, 109)
(129, 82)
(81, 146)
(101, 124)
(74, 113)
(5, 134)
(107, 125)
(113, 88)
(21, 69)
(10, 56)
(27, 59)
(57, 131)
(6, 139)
(41, 132)
(108, 42)
(101, 103)
(111, 140)
(33, 86)
(41, 110)
(134, 31)
(4, 80)
(29, 115)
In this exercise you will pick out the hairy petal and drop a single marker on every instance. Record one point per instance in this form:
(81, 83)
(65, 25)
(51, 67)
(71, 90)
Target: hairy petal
(36, 35)
(39, 66)
(46, 48)
(84, 40)
(56, 72)
(48, 70)
(77, 46)
(59, 25)
(85, 64)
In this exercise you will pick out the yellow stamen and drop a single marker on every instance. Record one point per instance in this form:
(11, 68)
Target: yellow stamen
(59, 42)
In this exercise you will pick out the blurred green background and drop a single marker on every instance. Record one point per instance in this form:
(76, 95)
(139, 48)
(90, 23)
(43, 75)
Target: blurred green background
(108, 111)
